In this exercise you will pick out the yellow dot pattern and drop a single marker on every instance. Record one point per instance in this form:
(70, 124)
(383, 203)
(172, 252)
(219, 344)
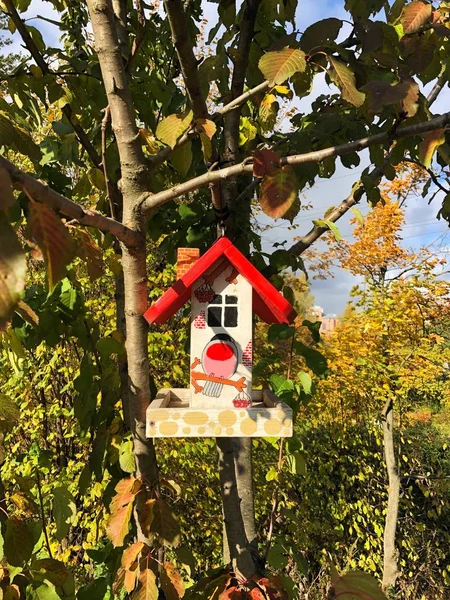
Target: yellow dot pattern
(212, 422)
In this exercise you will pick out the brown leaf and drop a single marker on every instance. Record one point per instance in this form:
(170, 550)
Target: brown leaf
(118, 524)
(129, 582)
(119, 581)
(145, 516)
(147, 589)
(278, 191)
(121, 510)
(414, 15)
(208, 127)
(171, 582)
(279, 65)
(410, 102)
(90, 252)
(382, 93)
(53, 238)
(131, 554)
(126, 491)
(6, 194)
(164, 524)
(13, 267)
(11, 592)
(25, 504)
(27, 313)
(430, 143)
(264, 162)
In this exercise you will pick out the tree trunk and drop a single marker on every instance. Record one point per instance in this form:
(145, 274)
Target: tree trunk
(238, 542)
(390, 567)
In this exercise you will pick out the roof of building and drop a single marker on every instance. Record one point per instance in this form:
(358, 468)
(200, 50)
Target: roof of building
(268, 303)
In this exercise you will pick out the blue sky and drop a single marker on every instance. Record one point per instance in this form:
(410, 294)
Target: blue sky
(421, 227)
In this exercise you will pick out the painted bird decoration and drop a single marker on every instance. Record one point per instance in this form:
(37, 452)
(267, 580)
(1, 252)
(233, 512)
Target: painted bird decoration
(219, 359)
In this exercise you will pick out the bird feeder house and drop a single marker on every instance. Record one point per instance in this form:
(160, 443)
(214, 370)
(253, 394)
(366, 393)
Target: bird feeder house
(224, 289)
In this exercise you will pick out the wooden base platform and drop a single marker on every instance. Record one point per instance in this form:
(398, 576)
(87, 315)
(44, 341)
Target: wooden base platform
(169, 415)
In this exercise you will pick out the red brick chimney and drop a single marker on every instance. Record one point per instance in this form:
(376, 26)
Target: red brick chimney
(186, 258)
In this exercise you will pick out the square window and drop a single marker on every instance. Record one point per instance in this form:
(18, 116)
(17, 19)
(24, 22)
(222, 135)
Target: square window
(215, 316)
(230, 299)
(216, 300)
(231, 316)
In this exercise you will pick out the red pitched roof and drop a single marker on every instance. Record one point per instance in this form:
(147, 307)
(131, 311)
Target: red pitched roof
(268, 303)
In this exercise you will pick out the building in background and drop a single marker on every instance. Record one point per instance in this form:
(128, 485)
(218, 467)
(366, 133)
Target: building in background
(329, 322)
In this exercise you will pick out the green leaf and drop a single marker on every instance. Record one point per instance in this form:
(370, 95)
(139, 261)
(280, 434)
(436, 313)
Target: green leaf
(344, 78)
(306, 381)
(53, 570)
(13, 267)
(64, 511)
(358, 215)
(126, 457)
(319, 33)
(97, 178)
(331, 226)
(414, 15)
(18, 542)
(41, 592)
(14, 136)
(96, 590)
(280, 331)
(334, 229)
(296, 463)
(53, 238)
(278, 191)
(279, 65)
(181, 158)
(314, 359)
(173, 127)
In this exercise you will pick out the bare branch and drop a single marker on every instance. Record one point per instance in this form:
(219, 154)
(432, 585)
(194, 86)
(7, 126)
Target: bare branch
(42, 193)
(39, 60)
(148, 202)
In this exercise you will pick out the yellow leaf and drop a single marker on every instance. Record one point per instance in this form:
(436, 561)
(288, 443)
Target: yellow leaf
(279, 65)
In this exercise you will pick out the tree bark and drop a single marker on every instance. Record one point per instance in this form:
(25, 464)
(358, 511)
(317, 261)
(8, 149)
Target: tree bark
(133, 184)
(390, 565)
(238, 542)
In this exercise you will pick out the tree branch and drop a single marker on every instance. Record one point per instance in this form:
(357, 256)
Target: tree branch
(39, 60)
(231, 122)
(149, 202)
(188, 63)
(132, 160)
(437, 88)
(183, 44)
(91, 218)
(430, 173)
